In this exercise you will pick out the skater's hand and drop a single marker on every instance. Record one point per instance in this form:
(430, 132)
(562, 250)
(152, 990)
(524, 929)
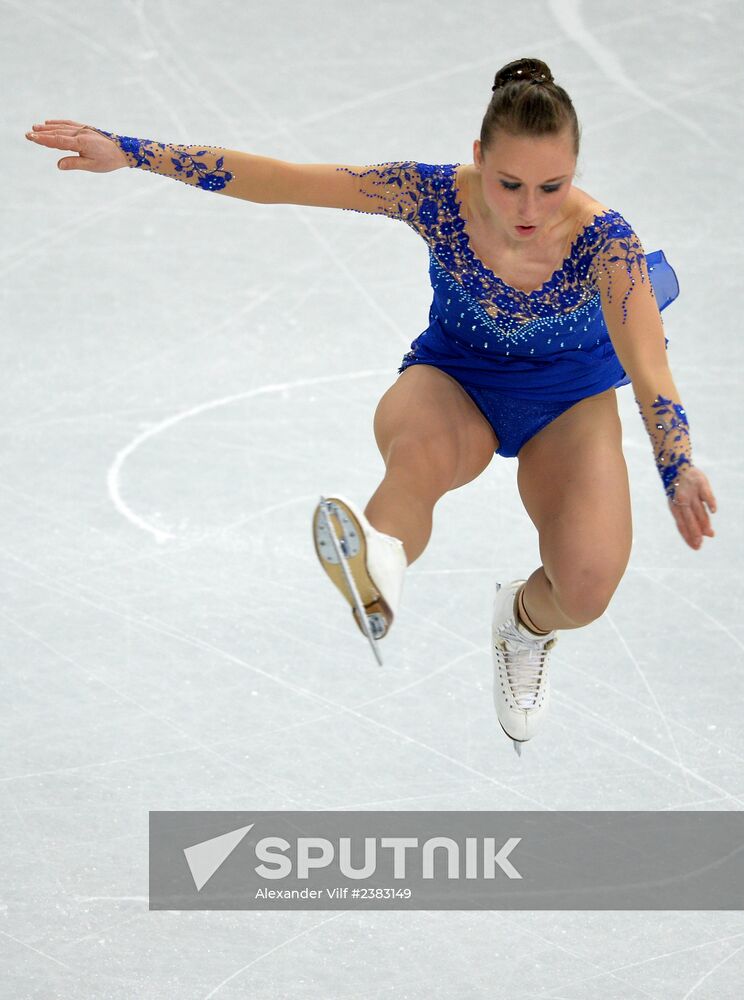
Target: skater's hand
(95, 152)
(687, 507)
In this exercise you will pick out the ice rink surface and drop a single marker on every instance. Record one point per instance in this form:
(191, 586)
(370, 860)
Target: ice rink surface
(185, 374)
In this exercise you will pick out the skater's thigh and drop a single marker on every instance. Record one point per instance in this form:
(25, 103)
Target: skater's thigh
(426, 417)
(573, 481)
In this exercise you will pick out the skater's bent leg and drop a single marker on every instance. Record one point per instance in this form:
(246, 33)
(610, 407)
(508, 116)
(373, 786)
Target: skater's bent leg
(403, 503)
(432, 438)
(573, 481)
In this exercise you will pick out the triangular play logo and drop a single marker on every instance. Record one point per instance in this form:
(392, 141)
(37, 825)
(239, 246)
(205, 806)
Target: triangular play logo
(205, 858)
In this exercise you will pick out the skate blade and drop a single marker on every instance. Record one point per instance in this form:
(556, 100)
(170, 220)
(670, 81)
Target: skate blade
(517, 744)
(342, 551)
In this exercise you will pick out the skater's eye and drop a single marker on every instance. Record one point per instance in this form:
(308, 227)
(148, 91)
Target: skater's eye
(547, 188)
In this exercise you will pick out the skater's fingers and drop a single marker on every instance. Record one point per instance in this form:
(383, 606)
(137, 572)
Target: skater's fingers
(56, 130)
(56, 140)
(692, 532)
(704, 491)
(687, 524)
(696, 497)
(96, 152)
(709, 499)
(61, 121)
(701, 517)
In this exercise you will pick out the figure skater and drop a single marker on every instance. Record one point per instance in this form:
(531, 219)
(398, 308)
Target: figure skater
(544, 304)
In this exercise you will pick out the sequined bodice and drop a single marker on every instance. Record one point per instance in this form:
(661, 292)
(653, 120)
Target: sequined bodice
(450, 245)
(473, 304)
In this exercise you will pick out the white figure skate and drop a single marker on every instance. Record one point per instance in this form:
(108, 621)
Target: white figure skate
(365, 564)
(521, 687)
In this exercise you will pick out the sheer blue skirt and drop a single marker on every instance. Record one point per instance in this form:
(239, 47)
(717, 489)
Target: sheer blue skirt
(522, 393)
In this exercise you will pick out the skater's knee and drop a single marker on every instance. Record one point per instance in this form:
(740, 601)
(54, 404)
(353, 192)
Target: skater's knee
(584, 593)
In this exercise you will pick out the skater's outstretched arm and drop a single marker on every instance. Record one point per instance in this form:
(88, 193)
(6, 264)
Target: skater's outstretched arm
(391, 189)
(240, 175)
(636, 330)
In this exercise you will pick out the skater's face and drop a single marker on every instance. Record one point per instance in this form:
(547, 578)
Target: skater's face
(525, 180)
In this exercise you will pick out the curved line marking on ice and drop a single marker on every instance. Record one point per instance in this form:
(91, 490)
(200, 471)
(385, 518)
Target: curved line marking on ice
(113, 477)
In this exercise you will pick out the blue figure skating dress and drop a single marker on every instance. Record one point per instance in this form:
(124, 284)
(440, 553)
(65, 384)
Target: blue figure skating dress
(523, 357)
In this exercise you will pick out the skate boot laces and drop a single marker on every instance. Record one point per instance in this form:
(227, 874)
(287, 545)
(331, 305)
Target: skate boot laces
(523, 658)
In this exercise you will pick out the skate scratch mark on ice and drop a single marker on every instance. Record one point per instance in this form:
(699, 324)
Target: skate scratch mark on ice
(696, 802)
(448, 631)
(198, 90)
(635, 965)
(568, 15)
(422, 680)
(616, 775)
(686, 951)
(432, 794)
(706, 230)
(420, 982)
(114, 472)
(282, 944)
(445, 756)
(257, 741)
(111, 899)
(153, 624)
(107, 928)
(699, 737)
(217, 110)
(195, 93)
(393, 693)
(423, 80)
(255, 516)
(37, 951)
(168, 631)
(24, 254)
(90, 42)
(207, 332)
(711, 971)
(138, 556)
(610, 973)
(648, 687)
(373, 302)
(682, 597)
(74, 768)
(607, 724)
(195, 742)
(28, 838)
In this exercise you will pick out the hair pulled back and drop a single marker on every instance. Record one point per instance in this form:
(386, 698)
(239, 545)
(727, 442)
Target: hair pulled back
(528, 102)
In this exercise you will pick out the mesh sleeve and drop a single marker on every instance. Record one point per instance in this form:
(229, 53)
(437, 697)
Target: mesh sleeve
(636, 329)
(199, 166)
(403, 189)
(665, 420)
